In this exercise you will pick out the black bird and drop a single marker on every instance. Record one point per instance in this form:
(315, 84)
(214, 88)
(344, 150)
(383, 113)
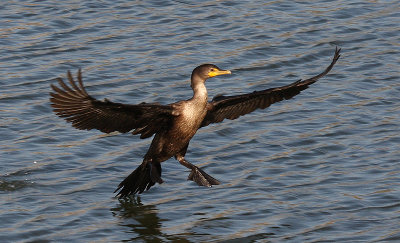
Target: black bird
(173, 125)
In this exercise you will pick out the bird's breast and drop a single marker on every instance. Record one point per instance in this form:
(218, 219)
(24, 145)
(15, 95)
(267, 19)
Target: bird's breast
(190, 119)
(184, 127)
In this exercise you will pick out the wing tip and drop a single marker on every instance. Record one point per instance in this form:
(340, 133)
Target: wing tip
(337, 53)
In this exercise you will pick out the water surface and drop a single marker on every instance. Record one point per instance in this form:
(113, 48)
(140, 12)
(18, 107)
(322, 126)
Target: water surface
(323, 166)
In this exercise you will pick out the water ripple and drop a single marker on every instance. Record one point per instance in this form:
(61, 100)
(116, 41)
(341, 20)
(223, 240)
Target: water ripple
(320, 167)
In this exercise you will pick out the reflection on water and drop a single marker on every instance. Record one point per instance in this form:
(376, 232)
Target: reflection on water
(320, 167)
(141, 219)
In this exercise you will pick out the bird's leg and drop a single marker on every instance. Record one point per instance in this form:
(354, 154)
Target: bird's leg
(197, 175)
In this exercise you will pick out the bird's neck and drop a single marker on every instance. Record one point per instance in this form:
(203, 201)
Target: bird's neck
(199, 92)
(199, 89)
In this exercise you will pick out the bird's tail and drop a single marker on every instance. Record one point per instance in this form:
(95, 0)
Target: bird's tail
(140, 180)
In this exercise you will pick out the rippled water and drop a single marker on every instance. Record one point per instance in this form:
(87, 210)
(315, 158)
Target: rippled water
(323, 166)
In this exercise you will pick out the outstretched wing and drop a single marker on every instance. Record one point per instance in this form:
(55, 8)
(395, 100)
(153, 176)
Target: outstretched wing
(231, 107)
(75, 105)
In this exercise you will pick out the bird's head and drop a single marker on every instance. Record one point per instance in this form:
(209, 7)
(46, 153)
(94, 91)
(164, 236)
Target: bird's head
(206, 71)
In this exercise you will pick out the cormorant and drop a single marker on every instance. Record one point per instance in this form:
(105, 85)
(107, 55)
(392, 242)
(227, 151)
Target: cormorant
(173, 124)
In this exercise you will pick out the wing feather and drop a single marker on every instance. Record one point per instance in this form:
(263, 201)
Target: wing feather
(75, 105)
(232, 107)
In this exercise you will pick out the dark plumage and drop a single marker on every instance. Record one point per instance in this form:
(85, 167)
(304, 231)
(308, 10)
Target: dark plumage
(173, 125)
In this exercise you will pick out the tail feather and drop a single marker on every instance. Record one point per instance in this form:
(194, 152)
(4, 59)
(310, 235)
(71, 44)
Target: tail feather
(140, 180)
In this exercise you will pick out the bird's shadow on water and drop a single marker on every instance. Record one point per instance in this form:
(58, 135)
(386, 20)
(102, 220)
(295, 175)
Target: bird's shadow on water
(142, 220)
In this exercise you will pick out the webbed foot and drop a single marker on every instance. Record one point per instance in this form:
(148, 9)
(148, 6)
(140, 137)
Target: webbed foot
(202, 178)
(198, 175)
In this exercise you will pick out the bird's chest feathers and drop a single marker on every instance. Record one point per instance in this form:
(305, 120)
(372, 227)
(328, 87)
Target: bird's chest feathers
(192, 114)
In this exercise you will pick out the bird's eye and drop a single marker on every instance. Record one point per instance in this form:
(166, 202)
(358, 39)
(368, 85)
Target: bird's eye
(212, 70)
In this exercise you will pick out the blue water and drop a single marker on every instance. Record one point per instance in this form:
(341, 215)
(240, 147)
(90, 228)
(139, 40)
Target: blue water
(323, 166)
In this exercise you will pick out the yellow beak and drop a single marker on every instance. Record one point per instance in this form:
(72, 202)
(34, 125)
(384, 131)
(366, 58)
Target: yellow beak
(218, 72)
